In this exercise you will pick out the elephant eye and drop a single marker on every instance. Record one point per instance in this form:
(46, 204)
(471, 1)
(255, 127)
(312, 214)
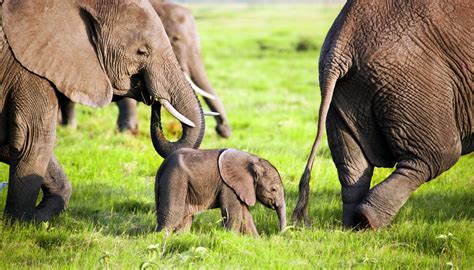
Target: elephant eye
(143, 51)
(175, 39)
(273, 189)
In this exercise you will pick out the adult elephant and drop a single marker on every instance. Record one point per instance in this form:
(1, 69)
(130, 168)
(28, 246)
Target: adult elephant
(88, 51)
(397, 88)
(181, 29)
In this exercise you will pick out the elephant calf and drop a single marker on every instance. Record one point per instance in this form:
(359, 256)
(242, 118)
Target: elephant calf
(191, 180)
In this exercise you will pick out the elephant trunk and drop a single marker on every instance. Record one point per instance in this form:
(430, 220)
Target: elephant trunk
(173, 92)
(281, 212)
(198, 75)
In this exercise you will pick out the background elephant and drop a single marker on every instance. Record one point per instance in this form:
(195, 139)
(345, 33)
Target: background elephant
(397, 89)
(181, 29)
(82, 50)
(191, 180)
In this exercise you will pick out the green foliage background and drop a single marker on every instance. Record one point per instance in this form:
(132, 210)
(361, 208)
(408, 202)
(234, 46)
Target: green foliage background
(262, 61)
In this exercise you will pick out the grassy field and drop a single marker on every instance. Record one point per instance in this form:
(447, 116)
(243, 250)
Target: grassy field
(263, 63)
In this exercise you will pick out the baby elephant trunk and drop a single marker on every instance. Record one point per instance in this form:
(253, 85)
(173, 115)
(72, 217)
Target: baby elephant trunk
(281, 211)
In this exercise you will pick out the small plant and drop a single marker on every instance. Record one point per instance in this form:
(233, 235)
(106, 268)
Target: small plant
(48, 237)
(367, 260)
(104, 260)
(194, 254)
(448, 244)
(152, 253)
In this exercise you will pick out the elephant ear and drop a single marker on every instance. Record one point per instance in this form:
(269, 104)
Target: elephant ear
(52, 39)
(235, 168)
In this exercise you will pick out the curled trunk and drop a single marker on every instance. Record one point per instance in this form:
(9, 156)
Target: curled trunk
(191, 136)
(168, 85)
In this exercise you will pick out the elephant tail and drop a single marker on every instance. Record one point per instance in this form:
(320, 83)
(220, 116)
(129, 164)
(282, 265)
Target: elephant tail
(335, 61)
(328, 83)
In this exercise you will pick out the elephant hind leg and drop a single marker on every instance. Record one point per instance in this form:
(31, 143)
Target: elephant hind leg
(353, 168)
(422, 133)
(384, 201)
(56, 192)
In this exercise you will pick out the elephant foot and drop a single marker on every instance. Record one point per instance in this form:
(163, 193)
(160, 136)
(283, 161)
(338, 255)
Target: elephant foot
(369, 217)
(128, 127)
(351, 219)
(384, 201)
(224, 130)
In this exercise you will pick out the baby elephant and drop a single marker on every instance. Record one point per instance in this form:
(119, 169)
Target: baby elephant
(191, 180)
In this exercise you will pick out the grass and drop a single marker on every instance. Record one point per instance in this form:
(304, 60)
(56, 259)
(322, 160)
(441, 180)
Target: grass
(263, 63)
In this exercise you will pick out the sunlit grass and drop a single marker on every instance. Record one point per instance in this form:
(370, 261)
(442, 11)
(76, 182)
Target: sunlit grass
(271, 94)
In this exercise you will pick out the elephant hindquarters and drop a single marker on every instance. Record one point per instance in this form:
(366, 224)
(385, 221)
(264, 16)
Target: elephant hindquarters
(420, 130)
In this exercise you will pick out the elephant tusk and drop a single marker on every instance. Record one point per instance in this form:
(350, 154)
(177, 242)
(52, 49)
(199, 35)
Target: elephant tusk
(2, 185)
(211, 114)
(175, 113)
(199, 90)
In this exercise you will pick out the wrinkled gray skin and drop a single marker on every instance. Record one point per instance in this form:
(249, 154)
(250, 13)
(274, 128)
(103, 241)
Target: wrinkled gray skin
(191, 180)
(87, 51)
(182, 31)
(397, 89)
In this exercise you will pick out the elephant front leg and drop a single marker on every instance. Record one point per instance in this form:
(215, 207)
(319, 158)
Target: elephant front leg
(232, 211)
(56, 192)
(170, 196)
(128, 116)
(56, 189)
(30, 152)
(249, 225)
(31, 134)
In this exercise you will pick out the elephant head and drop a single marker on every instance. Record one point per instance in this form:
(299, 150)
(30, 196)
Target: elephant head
(92, 50)
(253, 178)
(183, 34)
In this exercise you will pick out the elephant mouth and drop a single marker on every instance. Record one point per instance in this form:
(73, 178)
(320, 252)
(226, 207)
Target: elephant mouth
(138, 90)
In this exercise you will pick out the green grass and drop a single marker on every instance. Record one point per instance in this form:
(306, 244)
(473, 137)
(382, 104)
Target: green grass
(271, 95)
